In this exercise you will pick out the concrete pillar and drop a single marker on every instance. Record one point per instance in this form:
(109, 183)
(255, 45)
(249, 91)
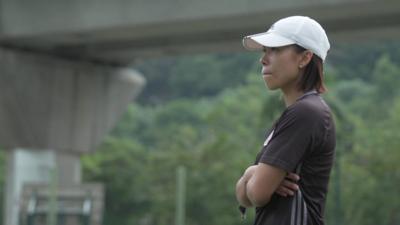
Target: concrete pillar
(35, 167)
(24, 166)
(68, 167)
(52, 111)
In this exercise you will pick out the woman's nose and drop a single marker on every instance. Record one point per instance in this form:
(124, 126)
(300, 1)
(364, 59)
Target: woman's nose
(264, 59)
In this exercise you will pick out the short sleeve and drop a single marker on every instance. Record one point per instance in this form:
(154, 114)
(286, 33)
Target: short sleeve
(291, 140)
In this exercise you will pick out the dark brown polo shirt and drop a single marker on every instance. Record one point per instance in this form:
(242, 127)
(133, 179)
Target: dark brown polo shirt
(303, 141)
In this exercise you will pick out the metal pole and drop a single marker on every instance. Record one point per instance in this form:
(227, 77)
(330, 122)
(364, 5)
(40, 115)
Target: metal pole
(53, 207)
(180, 195)
(338, 204)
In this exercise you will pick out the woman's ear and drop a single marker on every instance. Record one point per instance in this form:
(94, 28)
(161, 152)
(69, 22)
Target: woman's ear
(306, 57)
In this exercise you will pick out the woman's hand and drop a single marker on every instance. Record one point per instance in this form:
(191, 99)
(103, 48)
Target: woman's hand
(289, 185)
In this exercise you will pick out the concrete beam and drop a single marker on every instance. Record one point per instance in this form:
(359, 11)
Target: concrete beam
(121, 31)
(32, 18)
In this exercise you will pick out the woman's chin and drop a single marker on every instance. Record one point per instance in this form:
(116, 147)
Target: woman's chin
(269, 82)
(270, 86)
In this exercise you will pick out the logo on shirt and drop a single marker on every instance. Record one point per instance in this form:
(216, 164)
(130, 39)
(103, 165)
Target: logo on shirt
(268, 139)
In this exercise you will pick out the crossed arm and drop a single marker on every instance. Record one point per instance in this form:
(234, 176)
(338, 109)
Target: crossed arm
(259, 182)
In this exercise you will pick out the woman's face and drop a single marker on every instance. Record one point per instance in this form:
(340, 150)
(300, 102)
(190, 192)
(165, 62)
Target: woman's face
(280, 67)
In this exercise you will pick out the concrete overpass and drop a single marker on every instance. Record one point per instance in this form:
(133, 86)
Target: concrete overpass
(65, 65)
(122, 31)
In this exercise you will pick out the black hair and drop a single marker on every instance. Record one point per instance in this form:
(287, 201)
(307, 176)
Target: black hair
(313, 77)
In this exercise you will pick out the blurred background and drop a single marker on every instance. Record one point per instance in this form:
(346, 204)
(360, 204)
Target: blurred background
(147, 112)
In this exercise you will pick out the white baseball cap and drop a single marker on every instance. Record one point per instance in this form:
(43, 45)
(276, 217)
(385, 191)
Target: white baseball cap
(300, 30)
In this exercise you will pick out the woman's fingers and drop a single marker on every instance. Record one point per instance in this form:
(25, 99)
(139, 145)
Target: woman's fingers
(288, 186)
(281, 193)
(285, 191)
(293, 176)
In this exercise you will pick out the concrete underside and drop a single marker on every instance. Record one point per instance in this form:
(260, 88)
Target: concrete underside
(123, 31)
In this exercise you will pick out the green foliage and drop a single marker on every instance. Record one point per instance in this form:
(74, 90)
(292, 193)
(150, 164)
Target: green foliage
(367, 151)
(193, 76)
(214, 138)
(357, 60)
(215, 133)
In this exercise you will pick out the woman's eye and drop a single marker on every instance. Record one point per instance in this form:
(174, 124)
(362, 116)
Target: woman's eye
(271, 49)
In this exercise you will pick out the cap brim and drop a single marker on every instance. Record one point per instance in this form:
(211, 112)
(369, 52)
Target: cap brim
(268, 39)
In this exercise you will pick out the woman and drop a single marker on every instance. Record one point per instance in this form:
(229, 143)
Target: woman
(289, 180)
